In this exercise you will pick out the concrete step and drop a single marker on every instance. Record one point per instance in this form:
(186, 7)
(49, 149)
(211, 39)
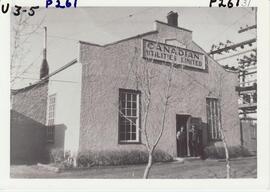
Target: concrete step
(187, 159)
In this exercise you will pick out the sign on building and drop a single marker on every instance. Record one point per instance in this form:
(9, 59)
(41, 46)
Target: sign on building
(167, 53)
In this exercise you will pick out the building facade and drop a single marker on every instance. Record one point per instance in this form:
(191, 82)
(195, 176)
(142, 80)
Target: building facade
(119, 78)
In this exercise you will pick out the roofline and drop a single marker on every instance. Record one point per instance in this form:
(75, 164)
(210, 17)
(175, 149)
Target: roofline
(133, 37)
(232, 71)
(15, 91)
(62, 68)
(121, 40)
(213, 59)
(89, 43)
(46, 78)
(173, 26)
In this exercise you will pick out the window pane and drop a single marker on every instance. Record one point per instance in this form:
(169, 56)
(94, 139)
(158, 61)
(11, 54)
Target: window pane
(134, 104)
(134, 97)
(128, 104)
(128, 97)
(133, 136)
(128, 136)
(128, 112)
(133, 128)
(134, 112)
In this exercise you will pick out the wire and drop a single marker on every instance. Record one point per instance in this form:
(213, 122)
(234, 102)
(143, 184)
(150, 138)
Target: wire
(235, 55)
(226, 29)
(64, 81)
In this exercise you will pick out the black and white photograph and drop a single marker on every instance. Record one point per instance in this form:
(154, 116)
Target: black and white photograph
(134, 93)
(134, 96)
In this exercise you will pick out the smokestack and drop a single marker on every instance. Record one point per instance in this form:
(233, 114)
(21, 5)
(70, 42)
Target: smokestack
(44, 70)
(172, 19)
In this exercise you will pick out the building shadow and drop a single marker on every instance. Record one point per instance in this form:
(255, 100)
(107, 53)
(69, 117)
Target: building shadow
(27, 140)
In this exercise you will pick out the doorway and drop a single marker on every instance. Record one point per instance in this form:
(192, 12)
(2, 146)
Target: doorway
(182, 137)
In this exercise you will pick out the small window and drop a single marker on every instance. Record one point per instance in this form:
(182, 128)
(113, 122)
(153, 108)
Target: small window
(51, 119)
(50, 133)
(213, 118)
(129, 116)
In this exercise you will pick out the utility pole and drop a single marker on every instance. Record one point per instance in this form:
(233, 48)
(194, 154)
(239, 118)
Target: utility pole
(45, 44)
(247, 67)
(44, 70)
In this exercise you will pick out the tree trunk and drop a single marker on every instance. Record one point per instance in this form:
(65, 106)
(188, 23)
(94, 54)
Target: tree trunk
(149, 165)
(228, 167)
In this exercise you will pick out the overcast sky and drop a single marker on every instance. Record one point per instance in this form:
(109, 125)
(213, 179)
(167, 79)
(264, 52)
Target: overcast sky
(103, 25)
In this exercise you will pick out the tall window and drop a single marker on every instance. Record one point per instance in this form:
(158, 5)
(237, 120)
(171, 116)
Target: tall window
(213, 118)
(129, 116)
(51, 117)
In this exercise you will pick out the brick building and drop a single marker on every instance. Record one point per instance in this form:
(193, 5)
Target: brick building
(106, 107)
(28, 124)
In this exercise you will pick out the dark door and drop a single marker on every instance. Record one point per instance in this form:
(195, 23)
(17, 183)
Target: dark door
(181, 135)
(196, 137)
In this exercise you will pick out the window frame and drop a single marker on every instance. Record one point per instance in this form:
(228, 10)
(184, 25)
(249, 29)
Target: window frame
(50, 131)
(138, 107)
(214, 133)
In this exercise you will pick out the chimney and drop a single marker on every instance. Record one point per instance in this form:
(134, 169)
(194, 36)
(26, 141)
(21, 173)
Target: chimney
(44, 70)
(172, 19)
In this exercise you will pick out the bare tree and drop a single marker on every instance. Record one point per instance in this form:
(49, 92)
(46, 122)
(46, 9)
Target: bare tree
(21, 31)
(223, 138)
(146, 77)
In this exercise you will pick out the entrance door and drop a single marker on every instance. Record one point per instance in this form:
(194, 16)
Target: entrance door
(182, 138)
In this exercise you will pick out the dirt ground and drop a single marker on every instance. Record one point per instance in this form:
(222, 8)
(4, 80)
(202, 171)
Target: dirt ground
(197, 169)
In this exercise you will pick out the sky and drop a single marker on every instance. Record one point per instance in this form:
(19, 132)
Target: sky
(103, 25)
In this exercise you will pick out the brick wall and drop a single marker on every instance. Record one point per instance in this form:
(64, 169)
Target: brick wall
(32, 101)
(28, 124)
(108, 68)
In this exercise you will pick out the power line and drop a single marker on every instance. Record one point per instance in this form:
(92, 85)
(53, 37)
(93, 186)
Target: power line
(233, 47)
(56, 80)
(225, 30)
(235, 54)
(247, 28)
